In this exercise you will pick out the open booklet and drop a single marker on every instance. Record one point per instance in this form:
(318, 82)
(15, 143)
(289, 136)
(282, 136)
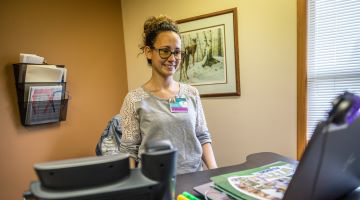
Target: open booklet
(267, 182)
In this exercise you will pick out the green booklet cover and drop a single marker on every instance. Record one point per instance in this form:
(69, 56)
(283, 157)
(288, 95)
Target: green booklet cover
(267, 182)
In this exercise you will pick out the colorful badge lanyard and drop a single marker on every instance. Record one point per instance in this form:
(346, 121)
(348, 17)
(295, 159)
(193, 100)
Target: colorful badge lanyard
(178, 105)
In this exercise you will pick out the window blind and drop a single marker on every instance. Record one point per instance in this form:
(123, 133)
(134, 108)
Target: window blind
(333, 55)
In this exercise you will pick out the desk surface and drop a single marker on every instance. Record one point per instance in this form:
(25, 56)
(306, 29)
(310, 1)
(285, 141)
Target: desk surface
(186, 182)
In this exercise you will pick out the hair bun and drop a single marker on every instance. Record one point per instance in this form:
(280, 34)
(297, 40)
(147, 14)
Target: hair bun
(149, 23)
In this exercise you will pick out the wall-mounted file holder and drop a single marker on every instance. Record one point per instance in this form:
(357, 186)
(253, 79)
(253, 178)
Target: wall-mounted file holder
(41, 92)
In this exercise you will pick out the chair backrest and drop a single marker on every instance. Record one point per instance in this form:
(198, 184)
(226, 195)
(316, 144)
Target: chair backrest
(110, 139)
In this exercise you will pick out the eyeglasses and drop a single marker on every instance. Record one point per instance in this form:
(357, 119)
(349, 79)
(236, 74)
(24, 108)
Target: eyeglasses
(165, 53)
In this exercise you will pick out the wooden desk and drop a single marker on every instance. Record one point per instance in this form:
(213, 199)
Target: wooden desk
(186, 182)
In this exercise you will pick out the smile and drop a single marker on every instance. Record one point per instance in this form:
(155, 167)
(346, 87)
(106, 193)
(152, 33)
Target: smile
(170, 67)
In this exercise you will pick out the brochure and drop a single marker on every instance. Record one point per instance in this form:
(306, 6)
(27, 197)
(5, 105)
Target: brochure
(44, 104)
(267, 182)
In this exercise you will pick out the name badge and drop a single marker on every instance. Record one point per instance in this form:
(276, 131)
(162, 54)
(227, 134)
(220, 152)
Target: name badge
(179, 105)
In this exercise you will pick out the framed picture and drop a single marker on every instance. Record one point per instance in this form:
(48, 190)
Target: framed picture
(210, 61)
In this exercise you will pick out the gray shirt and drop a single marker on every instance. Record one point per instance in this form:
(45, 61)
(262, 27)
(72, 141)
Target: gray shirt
(146, 117)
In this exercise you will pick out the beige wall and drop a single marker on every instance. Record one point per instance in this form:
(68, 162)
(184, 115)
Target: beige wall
(87, 37)
(264, 117)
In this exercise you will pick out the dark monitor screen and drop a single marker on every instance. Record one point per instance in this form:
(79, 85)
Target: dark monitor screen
(330, 166)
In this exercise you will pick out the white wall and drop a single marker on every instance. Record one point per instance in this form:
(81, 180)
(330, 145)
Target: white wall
(264, 117)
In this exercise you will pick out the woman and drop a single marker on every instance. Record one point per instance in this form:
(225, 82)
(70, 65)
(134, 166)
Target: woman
(163, 108)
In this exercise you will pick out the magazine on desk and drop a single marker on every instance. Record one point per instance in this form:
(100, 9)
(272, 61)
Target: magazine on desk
(267, 182)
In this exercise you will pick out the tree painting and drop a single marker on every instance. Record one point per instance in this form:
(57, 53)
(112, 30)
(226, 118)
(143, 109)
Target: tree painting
(203, 60)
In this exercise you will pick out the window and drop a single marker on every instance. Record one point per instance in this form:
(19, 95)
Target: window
(331, 58)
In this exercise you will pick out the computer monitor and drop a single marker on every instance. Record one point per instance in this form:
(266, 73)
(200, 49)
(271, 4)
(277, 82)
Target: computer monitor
(108, 177)
(330, 166)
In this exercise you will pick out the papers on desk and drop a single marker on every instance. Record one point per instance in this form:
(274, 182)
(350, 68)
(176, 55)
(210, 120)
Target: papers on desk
(267, 182)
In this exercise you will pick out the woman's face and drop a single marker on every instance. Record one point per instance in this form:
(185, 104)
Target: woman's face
(165, 42)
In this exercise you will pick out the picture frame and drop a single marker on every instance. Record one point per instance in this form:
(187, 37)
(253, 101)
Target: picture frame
(210, 60)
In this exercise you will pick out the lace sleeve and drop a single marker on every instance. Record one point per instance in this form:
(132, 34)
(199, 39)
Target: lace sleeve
(131, 138)
(202, 132)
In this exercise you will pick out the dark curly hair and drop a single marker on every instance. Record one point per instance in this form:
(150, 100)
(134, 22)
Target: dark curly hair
(153, 26)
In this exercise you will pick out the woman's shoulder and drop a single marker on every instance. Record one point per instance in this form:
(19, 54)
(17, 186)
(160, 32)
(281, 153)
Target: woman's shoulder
(136, 94)
(189, 90)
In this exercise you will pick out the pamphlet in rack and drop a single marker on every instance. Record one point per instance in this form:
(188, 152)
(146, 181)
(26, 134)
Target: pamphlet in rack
(44, 104)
